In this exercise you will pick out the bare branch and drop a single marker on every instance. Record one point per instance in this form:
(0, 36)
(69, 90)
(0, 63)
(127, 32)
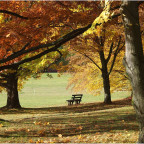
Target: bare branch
(93, 62)
(13, 14)
(140, 2)
(120, 72)
(110, 52)
(3, 85)
(89, 59)
(3, 75)
(17, 15)
(115, 55)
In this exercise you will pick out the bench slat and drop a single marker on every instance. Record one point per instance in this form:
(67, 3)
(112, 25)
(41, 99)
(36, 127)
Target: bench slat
(77, 95)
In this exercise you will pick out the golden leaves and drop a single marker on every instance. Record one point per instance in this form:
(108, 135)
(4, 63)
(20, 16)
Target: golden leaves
(40, 123)
(1, 125)
(60, 135)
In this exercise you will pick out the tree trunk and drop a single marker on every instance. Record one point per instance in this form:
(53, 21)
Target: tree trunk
(134, 59)
(106, 81)
(12, 91)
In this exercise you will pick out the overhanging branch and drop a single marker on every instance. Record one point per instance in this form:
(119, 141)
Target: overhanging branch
(59, 42)
(13, 14)
(53, 47)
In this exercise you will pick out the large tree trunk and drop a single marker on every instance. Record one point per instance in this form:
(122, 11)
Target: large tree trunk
(12, 91)
(134, 59)
(106, 81)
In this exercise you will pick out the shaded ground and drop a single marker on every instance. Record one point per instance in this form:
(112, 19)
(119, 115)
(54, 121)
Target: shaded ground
(86, 123)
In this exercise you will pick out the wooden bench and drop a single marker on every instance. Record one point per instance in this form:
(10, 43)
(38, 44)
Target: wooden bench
(75, 98)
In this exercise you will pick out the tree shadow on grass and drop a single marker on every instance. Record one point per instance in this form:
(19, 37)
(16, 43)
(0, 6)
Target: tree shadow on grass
(71, 109)
(75, 120)
(71, 126)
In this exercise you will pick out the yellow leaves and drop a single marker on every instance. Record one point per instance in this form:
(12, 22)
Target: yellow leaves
(40, 123)
(79, 136)
(44, 40)
(8, 35)
(31, 141)
(1, 18)
(39, 141)
(1, 125)
(42, 132)
(47, 123)
(60, 135)
(37, 123)
(97, 24)
(80, 128)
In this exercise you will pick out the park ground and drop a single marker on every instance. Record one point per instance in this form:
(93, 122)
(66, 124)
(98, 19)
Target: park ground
(85, 123)
(46, 118)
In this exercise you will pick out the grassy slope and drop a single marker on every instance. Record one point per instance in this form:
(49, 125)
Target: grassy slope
(85, 123)
(46, 92)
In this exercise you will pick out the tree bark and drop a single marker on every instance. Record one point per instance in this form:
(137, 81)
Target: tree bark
(106, 81)
(134, 59)
(12, 91)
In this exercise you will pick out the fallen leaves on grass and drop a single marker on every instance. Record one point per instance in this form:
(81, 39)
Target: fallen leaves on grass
(105, 137)
(42, 132)
(80, 128)
(40, 123)
(60, 135)
(1, 125)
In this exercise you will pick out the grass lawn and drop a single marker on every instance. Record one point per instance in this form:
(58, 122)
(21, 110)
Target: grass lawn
(46, 92)
(85, 123)
(46, 118)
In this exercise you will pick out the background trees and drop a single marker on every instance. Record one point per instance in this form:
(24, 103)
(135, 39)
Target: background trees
(91, 65)
(93, 57)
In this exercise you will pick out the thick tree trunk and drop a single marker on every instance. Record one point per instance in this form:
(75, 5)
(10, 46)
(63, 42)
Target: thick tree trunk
(106, 85)
(134, 59)
(12, 91)
(106, 81)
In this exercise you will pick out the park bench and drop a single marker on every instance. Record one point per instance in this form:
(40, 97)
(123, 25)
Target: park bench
(75, 98)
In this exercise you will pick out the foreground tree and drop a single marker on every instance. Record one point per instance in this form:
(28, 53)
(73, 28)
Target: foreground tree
(29, 30)
(134, 59)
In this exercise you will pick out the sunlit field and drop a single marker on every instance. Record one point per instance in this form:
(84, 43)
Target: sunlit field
(49, 92)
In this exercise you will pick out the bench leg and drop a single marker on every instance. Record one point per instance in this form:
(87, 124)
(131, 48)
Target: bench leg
(70, 102)
(77, 102)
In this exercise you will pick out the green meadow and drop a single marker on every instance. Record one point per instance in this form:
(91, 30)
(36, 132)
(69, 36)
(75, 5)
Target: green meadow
(49, 92)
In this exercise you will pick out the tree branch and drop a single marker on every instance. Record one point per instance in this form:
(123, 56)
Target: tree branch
(17, 15)
(93, 62)
(55, 45)
(89, 59)
(3, 85)
(110, 52)
(59, 42)
(13, 14)
(56, 60)
(3, 75)
(115, 55)
(120, 72)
